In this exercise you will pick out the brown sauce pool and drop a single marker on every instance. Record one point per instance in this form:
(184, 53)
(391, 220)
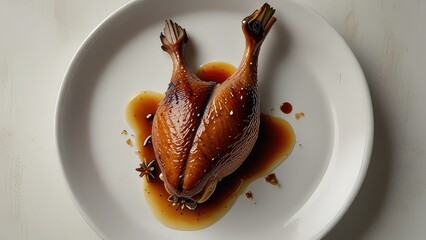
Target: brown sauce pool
(275, 142)
(215, 71)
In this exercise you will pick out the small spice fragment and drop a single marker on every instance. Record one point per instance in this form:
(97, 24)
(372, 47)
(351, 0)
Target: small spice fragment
(249, 195)
(299, 115)
(129, 142)
(124, 132)
(272, 179)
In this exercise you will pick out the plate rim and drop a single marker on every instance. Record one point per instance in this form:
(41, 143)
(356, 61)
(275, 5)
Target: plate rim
(369, 143)
(358, 182)
(61, 97)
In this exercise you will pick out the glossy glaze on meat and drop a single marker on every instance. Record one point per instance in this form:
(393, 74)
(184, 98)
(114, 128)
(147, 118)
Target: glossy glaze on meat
(203, 131)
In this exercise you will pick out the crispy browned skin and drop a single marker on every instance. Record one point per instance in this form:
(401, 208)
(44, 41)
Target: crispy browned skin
(179, 114)
(203, 132)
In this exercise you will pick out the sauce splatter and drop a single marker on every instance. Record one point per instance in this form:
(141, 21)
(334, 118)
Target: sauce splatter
(286, 107)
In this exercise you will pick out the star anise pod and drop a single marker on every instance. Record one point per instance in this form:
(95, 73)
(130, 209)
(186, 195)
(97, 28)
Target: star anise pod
(146, 170)
(182, 202)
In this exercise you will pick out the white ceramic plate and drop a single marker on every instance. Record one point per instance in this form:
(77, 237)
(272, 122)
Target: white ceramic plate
(303, 61)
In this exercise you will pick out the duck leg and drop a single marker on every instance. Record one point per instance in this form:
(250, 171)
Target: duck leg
(230, 125)
(179, 113)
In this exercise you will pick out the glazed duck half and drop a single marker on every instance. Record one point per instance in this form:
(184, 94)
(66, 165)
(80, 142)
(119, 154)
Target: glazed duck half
(203, 131)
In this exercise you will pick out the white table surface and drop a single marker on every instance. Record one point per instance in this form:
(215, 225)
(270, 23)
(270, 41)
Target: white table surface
(39, 37)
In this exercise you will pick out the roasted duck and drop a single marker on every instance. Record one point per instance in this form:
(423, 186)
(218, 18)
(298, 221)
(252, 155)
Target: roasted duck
(203, 131)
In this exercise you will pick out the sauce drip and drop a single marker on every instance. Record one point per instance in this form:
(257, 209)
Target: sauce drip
(275, 142)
